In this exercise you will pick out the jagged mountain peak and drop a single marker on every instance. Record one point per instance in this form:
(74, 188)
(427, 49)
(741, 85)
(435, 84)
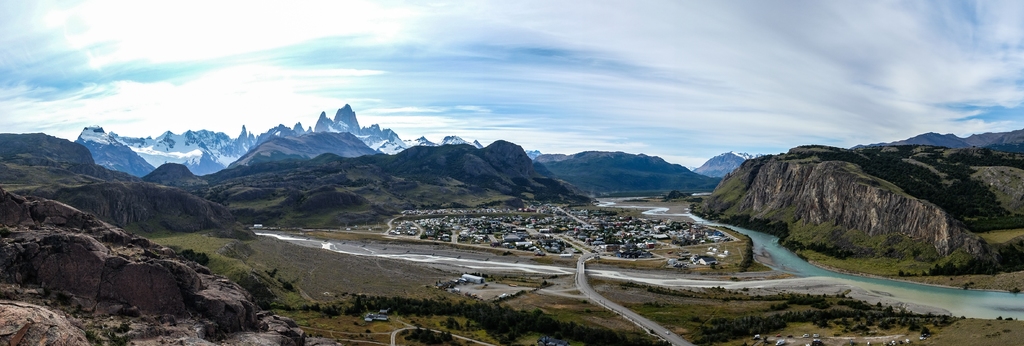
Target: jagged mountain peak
(347, 116)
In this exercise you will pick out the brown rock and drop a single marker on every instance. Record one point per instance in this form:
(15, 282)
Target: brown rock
(28, 324)
(839, 193)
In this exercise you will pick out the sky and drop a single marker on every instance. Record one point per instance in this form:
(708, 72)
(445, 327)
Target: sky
(683, 80)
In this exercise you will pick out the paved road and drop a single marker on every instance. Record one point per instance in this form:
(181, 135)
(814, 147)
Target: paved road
(584, 287)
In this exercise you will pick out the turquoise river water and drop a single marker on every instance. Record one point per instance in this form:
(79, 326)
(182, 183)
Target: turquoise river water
(959, 302)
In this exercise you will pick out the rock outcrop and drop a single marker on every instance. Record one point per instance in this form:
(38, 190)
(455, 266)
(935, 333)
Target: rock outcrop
(101, 269)
(145, 204)
(835, 192)
(29, 324)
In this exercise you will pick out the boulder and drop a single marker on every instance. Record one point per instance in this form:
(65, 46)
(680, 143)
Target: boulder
(28, 324)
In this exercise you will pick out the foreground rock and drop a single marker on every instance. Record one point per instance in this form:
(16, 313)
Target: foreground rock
(28, 324)
(93, 267)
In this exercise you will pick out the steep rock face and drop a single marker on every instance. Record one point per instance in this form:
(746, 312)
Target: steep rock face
(834, 192)
(124, 204)
(107, 271)
(29, 324)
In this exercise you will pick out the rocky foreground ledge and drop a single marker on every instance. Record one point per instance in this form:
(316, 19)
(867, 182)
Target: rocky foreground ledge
(66, 275)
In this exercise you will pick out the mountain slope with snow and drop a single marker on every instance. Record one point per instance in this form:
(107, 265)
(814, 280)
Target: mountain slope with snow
(723, 164)
(109, 153)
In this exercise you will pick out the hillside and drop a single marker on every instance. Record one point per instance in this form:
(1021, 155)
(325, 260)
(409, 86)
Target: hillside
(57, 262)
(58, 169)
(29, 161)
(334, 191)
(307, 146)
(598, 173)
(146, 207)
(916, 205)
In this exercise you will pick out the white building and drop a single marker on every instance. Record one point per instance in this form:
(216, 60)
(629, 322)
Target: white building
(473, 278)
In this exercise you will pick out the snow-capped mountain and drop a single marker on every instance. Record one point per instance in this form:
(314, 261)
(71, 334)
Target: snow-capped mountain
(456, 140)
(534, 153)
(110, 153)
(723, 164)
(381, 140)
(422, 141)
(203, 151)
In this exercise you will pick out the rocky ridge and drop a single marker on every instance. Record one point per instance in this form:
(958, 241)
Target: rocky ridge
(100, 270)
(838, 193)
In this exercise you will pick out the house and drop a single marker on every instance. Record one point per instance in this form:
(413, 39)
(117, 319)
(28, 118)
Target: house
(473, 278)
(549, 341)
(706, 260)
(375, 317)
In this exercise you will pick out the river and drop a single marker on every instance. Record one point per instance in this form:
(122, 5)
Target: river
(959, 302)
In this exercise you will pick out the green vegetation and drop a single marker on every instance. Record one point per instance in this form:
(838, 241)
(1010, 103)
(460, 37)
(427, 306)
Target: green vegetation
(427, 336)
(502, 322)
(717, 316)
(198, 257)
(960, 181)
(939, 175)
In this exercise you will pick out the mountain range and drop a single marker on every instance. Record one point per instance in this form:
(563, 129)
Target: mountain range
(1012, 141)
(204, 152)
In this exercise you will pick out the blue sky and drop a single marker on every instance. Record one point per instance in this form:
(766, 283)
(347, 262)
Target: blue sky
(681, 80)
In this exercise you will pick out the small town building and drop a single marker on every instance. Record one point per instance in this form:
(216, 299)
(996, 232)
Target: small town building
(549, 341)
(473, 278)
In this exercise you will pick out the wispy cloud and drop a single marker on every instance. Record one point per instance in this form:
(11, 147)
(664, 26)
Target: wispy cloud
(683, 80)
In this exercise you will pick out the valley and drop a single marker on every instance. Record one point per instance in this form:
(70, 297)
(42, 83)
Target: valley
(608, 276)
(325, 240)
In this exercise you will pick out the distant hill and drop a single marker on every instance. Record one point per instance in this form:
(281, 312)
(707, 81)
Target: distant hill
(29, 161)
(1012, 141)
(331, 191)
(173, 174)
(38, 149)
(598, 172)
(916, 206)
(721, 165)
(307, 146)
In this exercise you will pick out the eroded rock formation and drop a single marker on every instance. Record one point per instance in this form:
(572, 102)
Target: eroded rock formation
(838, 192)
(101, 269)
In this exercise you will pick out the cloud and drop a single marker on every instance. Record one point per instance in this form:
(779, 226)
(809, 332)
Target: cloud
(683, 80)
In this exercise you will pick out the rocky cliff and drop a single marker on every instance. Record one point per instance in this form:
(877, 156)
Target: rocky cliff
(839, 196)
(146, 207)
(96, 268)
